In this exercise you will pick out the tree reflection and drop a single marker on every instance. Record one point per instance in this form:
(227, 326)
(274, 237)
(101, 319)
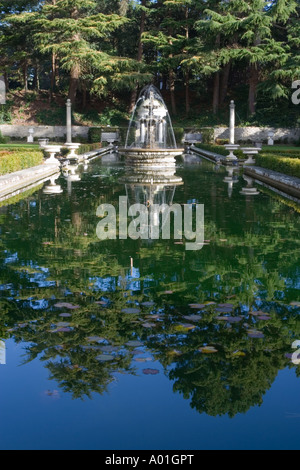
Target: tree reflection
(51, 257)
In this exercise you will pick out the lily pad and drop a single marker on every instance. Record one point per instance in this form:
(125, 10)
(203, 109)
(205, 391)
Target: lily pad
(192, 317)
(239, 354)
(66, 305)
(92, 339)
(198, 306)
(65, 315)
(147, 304)
(208, 350)
(134, 343)
(105, 358)
(131, 310)
(148, 325)
(264, 317)
(143, 359)
(255, 334)
(150, 371)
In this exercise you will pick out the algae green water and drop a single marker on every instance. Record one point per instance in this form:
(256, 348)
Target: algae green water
(124, 344)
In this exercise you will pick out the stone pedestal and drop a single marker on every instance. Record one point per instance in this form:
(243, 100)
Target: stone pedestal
(53, 150)
(53, 188)
(72, 147)
(231, 147)
(249, 190)
(250, 152)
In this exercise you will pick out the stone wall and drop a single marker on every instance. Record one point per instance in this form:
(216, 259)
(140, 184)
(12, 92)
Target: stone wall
(243, 134)
(259, 134)
(51, 132)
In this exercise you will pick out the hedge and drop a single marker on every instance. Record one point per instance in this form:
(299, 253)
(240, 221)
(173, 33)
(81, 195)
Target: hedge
(15, 160)
(219, 149)
(288, 166)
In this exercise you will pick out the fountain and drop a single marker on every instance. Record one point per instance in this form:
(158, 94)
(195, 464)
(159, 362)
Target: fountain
(150, 138)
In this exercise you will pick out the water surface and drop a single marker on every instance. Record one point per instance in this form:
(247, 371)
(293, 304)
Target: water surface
(124, 344)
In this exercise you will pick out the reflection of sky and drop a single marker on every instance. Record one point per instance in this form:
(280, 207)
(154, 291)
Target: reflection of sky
(129, 282)
(11, 258)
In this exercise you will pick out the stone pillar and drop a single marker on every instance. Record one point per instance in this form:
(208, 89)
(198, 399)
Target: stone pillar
(69, 122)
(232, 123)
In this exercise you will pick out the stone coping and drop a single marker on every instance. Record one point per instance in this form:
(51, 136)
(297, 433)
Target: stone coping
(285, 183)
(23, 178)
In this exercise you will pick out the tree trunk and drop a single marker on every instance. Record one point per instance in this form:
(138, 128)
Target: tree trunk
(74, 80)
(25, 75)
(216, 93)
(172, 91)
(187, 93)
(253, 82)
(224, 82)
(53, 74)
(133, 97)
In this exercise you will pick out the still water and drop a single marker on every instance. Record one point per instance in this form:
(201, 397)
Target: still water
(124, 344)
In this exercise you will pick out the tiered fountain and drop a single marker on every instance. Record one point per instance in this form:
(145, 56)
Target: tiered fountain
(150, 138)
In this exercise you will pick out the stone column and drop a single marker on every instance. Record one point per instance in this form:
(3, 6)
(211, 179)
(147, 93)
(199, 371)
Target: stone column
(232, 123)
(69, 122)
(161, 132)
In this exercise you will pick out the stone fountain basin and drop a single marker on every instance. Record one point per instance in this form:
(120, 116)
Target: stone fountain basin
(250, 150)
(52, 148)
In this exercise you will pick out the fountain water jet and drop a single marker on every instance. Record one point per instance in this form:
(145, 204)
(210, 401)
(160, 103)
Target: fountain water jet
(150, 140)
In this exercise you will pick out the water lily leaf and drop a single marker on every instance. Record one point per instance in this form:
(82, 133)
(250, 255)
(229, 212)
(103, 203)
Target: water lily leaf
(147, 304)
(148, 325)
(66, 305)
(65, 315)
(198, 306)
(238, 354)
(131, 310)
(255, 334)
(143, 359)
(105, 358)
(264, 317)
(134, 343)
(63, 330)
(193, 317)
(92, 339)
(150, 371)
(295, 304)
(63, 323)
(208, 350)
(224, 309)
(226, 305)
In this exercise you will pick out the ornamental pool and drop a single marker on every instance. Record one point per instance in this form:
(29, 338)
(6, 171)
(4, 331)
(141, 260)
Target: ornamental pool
(142, 344)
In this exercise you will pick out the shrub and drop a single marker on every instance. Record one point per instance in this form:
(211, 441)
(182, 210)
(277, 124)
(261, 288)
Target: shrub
(208, 135)
(288, 166)
(15, 160)
(95, 134)
(87, 148)
(219, 149)
(3, 140)
(179, 134)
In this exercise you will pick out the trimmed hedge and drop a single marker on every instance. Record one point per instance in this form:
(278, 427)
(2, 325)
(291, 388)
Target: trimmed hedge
(288, 166)
(16, 160)
(220, 149)
(88, 148)
(289, 153)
